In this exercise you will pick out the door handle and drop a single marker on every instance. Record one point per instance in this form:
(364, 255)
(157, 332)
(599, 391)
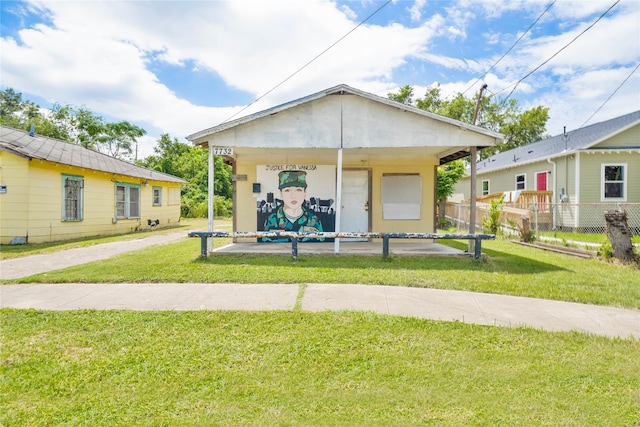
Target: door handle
(366, 206)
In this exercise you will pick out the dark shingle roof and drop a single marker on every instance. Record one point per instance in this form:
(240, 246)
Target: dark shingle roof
(22, 144)
(579, 139)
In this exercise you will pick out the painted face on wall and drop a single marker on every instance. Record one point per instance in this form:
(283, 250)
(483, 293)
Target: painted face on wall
(293, 198)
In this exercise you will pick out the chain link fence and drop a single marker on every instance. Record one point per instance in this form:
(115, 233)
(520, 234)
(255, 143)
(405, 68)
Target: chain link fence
(581, 225)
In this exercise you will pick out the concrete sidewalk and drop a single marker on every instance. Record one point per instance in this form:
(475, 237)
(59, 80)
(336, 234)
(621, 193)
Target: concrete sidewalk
(469, 307)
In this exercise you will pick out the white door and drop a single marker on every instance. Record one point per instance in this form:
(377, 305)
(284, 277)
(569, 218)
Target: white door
(354, 216)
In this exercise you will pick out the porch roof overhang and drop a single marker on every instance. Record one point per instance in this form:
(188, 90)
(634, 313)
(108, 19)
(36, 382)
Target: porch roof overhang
(352, 155)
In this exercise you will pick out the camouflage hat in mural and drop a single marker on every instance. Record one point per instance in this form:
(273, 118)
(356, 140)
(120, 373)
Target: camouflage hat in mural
(292, 179)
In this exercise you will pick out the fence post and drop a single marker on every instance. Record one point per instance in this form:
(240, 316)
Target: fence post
(477, 253)
(203, 245)
(294, 247)
(385, 246)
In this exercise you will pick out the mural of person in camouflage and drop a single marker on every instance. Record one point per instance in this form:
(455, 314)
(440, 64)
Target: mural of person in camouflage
(292, 215)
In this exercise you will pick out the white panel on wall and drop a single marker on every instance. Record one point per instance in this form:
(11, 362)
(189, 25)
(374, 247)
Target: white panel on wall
(400, 211)
(401, 196)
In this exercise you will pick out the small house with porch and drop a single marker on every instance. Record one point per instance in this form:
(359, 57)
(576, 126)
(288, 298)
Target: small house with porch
(338, 160)
(53, 190)
(569, 180)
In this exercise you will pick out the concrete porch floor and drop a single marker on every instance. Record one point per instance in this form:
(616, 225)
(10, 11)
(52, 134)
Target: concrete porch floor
(396, 247)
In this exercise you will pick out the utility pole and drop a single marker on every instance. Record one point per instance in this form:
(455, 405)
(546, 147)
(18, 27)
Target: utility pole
(473, 154)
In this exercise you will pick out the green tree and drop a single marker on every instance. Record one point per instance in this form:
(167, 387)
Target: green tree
(191, 163)
(448, 175)
(87, 127)
(504, 116)
(22, 114)
(118, 139)
(65, 122)
(404, 95)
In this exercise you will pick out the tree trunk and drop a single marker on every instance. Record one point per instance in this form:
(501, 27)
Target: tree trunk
(525, 229)
(442, 204)
(619, 235)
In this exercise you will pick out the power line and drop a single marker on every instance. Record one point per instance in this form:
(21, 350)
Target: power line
(561, 49)
(611, 96)
(512, 46)
(308, 63)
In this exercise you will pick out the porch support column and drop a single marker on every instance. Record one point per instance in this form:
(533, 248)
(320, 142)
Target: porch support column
(336, 241)
(210, 187)
(472, 203)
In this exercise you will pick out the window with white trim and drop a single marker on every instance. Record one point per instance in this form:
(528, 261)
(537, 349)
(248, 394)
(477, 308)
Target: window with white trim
(614, 179)
(127, 200)
(521, 181)
(72, 197)
(485, 187)
(157, 196)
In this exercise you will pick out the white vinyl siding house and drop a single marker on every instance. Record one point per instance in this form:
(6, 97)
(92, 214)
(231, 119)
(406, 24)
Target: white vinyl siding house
(597, 164)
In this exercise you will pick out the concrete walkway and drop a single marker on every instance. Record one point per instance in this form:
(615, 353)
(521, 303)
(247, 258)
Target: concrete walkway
(469, 307)
(16, 268)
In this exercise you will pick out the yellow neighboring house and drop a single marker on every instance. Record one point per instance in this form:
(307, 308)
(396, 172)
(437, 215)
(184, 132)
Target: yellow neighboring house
(52, 190)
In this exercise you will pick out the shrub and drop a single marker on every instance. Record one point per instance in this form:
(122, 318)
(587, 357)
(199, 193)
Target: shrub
(222, 207)
(491, 223)
(606, 250)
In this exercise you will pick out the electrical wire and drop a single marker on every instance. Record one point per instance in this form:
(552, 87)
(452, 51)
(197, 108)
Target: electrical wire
(610, 96)
(309, 63)
(512, 46)
(515, 85)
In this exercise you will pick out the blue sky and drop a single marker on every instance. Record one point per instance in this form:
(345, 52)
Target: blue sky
(179, 67)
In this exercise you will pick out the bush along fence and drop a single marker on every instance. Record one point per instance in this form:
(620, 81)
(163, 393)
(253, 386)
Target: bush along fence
(295, 238)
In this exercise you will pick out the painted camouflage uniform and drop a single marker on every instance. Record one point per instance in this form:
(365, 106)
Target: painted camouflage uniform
(278, 221)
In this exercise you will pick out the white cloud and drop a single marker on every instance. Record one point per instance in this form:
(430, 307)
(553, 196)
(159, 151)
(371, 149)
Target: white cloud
(98, 54)
(415, 11)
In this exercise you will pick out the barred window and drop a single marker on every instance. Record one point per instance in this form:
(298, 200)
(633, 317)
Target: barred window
(72, 197)
(127, 200)
(157, 196)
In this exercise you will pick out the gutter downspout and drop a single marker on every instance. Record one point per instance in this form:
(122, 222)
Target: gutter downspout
(336, 241)
(555, 191)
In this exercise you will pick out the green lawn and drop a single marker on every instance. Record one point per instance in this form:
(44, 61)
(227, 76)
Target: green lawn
(122, 368)
(508, 269)
(291, 368)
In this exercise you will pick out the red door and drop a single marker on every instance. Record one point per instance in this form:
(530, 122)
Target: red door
(541, 185)
(541, 181)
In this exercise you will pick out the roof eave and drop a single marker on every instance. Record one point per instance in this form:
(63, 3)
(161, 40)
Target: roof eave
(340, 90)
